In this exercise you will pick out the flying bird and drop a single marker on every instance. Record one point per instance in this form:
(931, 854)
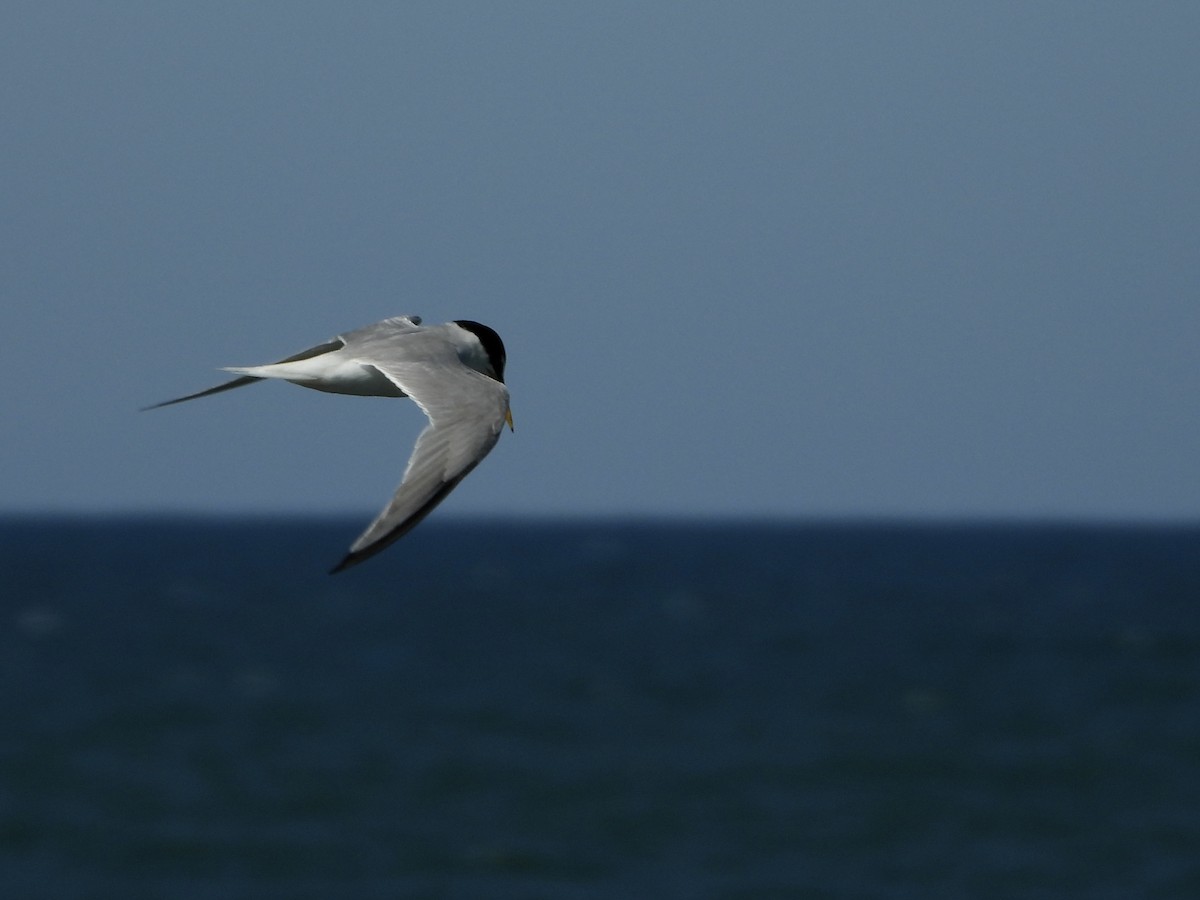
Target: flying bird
(454, 372)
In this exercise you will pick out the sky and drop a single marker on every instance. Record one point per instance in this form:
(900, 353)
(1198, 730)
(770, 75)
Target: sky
(762, 259)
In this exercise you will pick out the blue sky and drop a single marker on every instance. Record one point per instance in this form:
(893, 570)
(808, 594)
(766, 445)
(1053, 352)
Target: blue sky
(782, 259)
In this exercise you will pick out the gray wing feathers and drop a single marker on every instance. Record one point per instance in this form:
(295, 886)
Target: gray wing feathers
(466, 412)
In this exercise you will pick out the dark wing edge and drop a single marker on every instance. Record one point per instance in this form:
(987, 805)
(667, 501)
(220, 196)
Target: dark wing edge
(356, 556)
(227, 386)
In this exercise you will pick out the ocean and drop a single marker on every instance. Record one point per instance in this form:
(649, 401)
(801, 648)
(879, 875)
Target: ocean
(193, 709)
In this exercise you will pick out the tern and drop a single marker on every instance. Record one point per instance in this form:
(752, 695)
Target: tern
(454, 372)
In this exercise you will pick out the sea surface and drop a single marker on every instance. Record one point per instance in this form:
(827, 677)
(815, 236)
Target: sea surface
(195, 710)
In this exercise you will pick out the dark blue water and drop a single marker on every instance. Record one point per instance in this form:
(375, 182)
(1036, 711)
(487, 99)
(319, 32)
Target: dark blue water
(194, 709)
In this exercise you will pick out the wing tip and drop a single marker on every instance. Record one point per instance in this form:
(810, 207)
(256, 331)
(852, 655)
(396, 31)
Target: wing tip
(382, 542)
(347, 561)
(228, 385)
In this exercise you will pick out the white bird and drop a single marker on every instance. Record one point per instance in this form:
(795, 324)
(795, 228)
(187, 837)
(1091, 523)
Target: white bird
(453, 372)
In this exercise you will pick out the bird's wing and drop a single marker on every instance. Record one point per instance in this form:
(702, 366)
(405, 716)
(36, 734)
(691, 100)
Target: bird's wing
(227, 386)
(466, 412)
(319, 350)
